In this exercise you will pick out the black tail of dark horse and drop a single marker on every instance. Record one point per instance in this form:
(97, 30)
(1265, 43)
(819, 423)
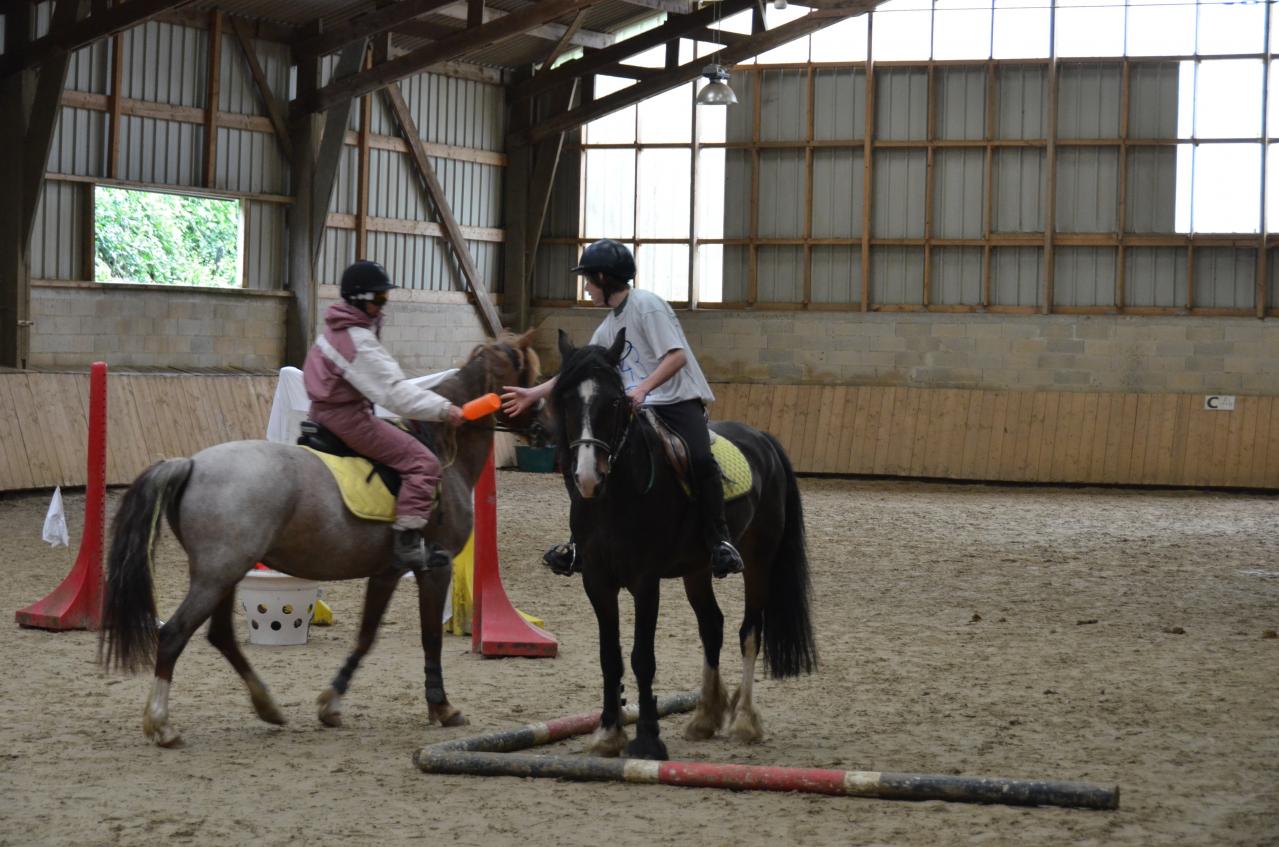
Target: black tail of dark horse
(129, 629)
(789, 648)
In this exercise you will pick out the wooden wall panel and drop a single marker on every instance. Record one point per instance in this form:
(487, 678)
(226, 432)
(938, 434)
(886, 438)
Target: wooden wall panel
(149, 417)
(943, 433)
(1011, 436)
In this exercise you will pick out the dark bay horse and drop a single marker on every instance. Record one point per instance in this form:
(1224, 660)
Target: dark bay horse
(258, 501)
(635, 526)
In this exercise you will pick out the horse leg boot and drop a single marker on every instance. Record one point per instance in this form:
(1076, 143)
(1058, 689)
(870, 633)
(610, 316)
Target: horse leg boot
(725, 560)
(647, 743)
(222, 636)
(432, 587)
(377, 596)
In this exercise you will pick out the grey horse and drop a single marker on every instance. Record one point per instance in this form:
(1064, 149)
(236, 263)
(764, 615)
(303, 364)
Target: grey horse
(243, 502)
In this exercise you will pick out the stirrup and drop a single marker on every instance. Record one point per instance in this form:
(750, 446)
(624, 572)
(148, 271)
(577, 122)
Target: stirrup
(408, 550)
(437, 557)
(725, 560)
(561, 559)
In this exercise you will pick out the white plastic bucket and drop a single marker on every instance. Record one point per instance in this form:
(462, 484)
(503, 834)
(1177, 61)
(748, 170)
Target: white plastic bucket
(278, 606)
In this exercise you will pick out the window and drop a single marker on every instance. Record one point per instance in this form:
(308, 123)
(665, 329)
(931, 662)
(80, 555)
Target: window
(166, 239)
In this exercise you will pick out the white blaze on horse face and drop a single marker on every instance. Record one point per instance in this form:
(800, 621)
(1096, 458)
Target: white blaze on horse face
(585, 467)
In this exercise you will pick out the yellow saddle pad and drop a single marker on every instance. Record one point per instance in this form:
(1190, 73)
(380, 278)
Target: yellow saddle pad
(733, 466)
(363, 491)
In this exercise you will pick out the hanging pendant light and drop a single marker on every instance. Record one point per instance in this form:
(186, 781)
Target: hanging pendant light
(716, 91)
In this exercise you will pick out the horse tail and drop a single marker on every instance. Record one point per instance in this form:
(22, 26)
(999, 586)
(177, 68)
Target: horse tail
(129, 629)
(789, 647)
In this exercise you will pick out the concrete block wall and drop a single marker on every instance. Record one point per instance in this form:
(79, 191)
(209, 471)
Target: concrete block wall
(75, 324)
(426, 331)
(986, 351)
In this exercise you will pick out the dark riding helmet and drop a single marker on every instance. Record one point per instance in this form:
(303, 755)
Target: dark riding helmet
(363, 280)
(608, 257)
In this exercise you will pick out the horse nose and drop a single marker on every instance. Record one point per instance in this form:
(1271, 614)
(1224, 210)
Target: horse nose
(586, 484)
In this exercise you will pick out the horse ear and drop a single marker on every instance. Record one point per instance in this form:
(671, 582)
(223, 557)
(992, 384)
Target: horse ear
(566, 346)
(525, 340)
(619, 344)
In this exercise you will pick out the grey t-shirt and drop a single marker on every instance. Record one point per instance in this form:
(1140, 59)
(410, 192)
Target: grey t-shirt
(652, 331)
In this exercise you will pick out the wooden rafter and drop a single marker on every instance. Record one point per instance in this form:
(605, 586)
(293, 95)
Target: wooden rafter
(509, 26)
(332, 142)
(591, 63)
(669, 78)
(565, 40)
(452, 232)
(366, 25)
(273, 110)
(99, 24)
(546, 32)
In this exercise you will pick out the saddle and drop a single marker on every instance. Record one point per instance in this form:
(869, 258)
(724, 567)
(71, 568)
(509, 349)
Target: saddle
(316, 437)
(734, 470)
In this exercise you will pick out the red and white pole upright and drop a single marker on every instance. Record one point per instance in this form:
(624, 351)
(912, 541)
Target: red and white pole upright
(77, 602)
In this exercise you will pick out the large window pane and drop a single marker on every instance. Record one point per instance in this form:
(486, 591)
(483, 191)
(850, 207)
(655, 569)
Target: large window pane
(710, 193)
(166, 239)
(961, 30)
(1228, 99)
(1158, 28)
(617, 127)
(663, 269)
(1086, 28)
(710, 273)
(841, 42)
(667, 117)
(1229, 26)
(902, 30)
(792, 51)
(1226, 188)
(1020, 29)
(664, 193)
(609, 204)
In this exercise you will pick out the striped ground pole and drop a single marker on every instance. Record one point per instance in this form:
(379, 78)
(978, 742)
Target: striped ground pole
(492, 754)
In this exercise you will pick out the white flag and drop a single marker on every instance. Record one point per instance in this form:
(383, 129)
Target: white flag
(55, 522)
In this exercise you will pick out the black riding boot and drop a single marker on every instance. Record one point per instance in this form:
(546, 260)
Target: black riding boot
(408, 549)
(562, 558)
(725, 559)
(437, 557)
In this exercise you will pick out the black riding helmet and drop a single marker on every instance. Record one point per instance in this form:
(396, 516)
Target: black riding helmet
(363, 281)
(608, 257)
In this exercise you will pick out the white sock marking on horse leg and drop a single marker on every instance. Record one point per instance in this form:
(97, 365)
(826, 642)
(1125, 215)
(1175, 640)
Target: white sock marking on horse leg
(709, 715)
(746, 724)
(155, 718)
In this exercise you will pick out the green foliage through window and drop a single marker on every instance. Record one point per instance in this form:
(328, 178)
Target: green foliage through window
(166, 239)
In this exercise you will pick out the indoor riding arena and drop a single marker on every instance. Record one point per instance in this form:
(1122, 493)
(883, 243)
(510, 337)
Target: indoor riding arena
(998, 277)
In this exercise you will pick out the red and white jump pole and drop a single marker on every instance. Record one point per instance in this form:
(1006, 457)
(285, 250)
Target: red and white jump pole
(497, 629)
(491, 754)
(77, 602)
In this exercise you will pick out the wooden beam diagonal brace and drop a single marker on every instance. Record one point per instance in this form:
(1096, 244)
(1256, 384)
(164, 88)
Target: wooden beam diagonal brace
(273, 109)
(668, 79)
(366, 25)
(331, 144)
(675, 27)
(393, 70)
(453, 233)
(100, 24)
(460, 12)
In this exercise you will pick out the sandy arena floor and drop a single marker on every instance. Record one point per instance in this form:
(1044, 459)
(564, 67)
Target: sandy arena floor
(1114, 637)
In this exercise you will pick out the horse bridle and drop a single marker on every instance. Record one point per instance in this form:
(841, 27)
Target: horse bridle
(612, 452)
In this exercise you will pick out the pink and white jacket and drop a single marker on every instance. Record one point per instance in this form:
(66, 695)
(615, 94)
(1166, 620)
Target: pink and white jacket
(348, 365)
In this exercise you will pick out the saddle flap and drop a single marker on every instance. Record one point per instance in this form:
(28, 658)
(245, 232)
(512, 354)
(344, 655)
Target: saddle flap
(674, 447)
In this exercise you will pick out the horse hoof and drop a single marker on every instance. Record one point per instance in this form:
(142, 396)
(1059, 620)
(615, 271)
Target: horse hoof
(646, 747)
(164, 736)
(607, 743)
(330, 703)
(458, 719)
(447, 715)
(700, 728)
(748, 729)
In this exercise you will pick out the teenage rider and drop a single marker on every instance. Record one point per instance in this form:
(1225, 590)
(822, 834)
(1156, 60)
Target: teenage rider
(346, 372)
(659, 371)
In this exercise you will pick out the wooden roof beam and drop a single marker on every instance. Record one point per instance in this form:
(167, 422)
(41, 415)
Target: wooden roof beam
(675, 27)
(368, 24)
(99, 24)
(669, 78)
(467, 41)
(547, 32)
